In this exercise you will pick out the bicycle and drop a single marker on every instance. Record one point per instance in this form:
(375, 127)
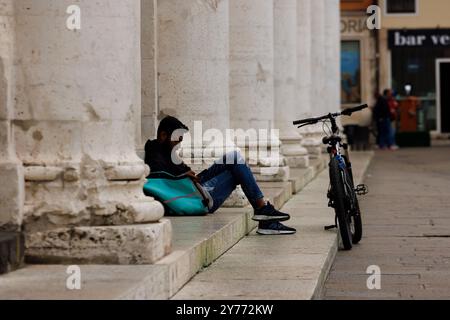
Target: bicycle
(342, 194)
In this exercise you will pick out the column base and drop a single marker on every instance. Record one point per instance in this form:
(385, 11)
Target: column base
(270, 168)
(87, 194)
(295, 154)
(271, 174)
(237, 199)
(12, 195)
(314, 147)
(11, 251)
(298, 162)
(123, 245)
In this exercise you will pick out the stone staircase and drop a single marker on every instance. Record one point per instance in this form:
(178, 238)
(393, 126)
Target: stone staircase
(197, 243)
(272, 268)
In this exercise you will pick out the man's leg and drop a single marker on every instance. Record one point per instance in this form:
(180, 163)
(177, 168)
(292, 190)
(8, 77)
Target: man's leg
(220, 188)
(387, 135)
(393, 135)
(384, 134)
(235, 165)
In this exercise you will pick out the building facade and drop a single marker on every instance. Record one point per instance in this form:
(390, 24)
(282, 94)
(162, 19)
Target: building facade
(415, 50)
(358, 60)
(78, 105)
(411, 50)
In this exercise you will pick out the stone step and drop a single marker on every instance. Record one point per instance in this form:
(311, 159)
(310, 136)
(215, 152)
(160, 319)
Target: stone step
(299, 178)
(318, 164)
(278, 193)
(11, 251)
(199, 241)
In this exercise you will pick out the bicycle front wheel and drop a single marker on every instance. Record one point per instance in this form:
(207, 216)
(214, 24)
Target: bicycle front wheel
(338, 193)
(357, 222)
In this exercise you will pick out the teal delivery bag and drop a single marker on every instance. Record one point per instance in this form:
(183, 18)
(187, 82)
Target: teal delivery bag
(179, 194)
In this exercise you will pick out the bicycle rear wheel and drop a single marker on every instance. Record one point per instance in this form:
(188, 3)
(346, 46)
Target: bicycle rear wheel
(338, 193)
(357, 222)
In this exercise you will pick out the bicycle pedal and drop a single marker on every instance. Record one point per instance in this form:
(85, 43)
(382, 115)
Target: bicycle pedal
(330, 227)
(361, 190)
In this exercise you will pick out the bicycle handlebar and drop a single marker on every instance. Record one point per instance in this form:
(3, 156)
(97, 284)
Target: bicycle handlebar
(346, 112)
(350, 111)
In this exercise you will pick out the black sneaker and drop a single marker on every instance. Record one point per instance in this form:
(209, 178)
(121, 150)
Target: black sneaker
(274, 228)
(269, 213)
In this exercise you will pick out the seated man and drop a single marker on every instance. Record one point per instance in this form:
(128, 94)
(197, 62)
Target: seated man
(219, 180)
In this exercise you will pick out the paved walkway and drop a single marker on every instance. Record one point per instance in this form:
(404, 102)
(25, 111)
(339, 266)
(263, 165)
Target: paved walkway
(279, 267)
(407, 230)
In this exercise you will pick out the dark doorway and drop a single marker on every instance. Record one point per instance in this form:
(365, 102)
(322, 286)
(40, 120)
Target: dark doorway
(444, 92)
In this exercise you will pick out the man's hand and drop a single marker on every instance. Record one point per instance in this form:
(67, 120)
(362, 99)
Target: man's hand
(191, 174)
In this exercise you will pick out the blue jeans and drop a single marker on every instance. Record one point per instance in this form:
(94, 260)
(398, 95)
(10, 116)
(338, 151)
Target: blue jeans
(221, 179)
(384, 133)
(393, 134)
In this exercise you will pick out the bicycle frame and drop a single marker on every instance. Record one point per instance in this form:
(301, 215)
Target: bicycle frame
(342, 194)
(334, 151)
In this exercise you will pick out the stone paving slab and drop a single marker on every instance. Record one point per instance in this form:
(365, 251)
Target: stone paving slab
(299, 263)
(406, 230)
(301, 177)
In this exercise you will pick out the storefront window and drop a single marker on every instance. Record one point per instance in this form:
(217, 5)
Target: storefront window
(350, 72)
(417, 67)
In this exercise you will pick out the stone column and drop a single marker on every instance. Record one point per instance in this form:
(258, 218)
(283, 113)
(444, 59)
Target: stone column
(318, 48)
(252, 84)
(149, 55)
(11, 170)
(332, 56)
(77, 99)
(193, 77)
(314, 134)
(304, 79)
(285, 73)
(193, 65)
